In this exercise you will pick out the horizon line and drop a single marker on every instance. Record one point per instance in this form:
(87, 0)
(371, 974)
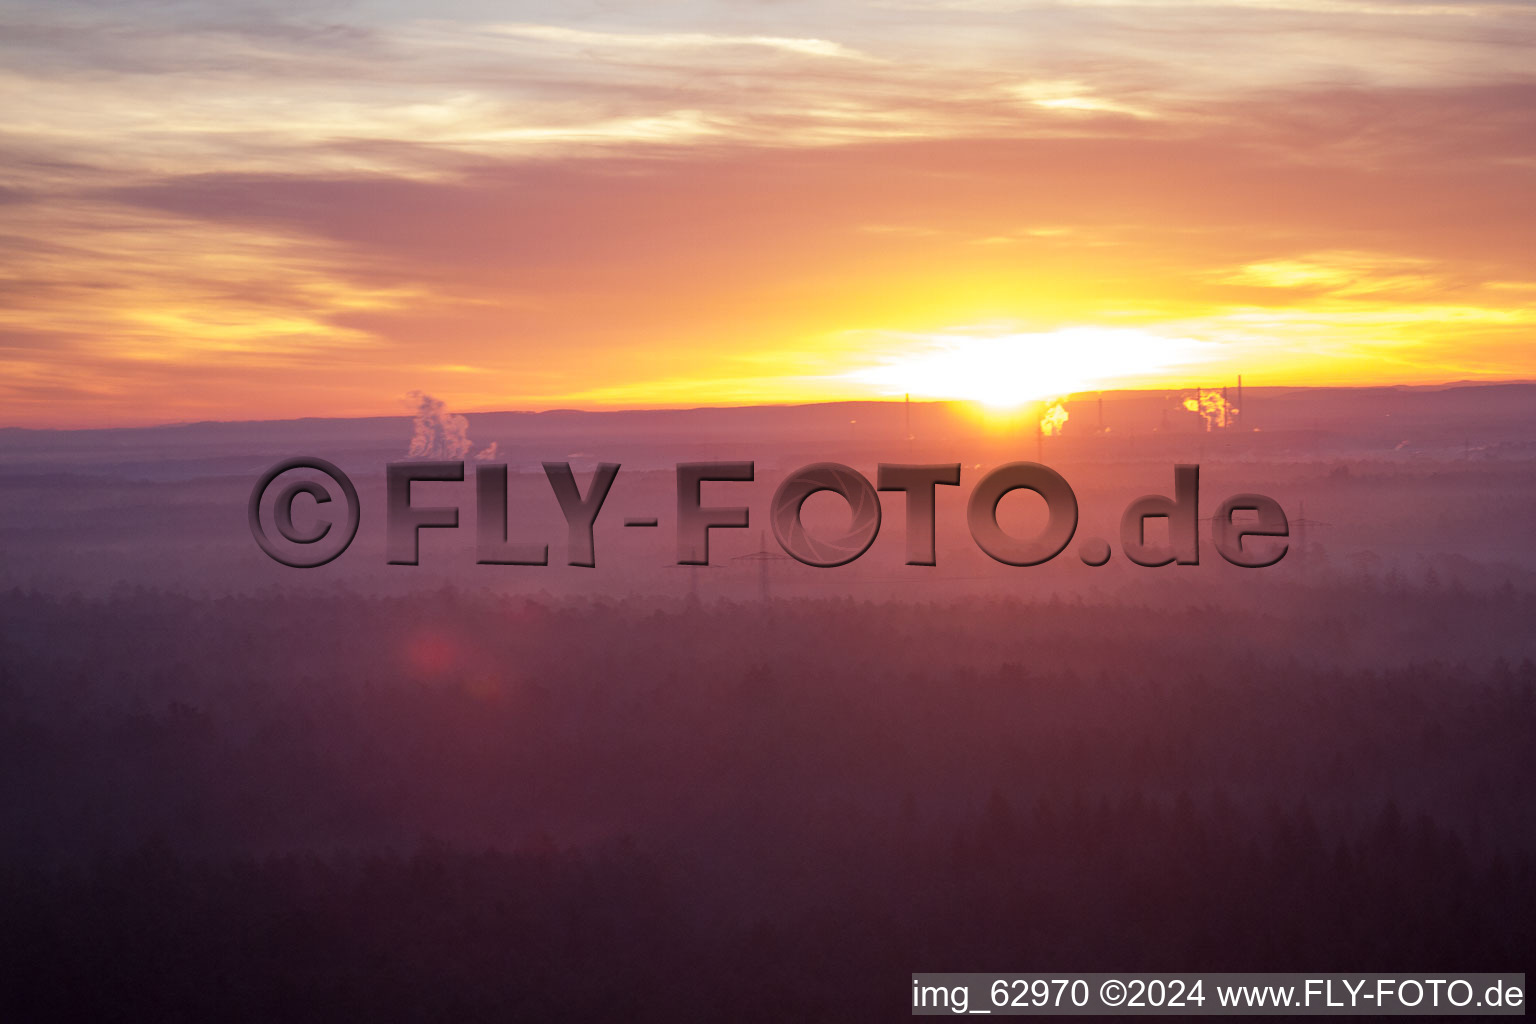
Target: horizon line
(1066, 396)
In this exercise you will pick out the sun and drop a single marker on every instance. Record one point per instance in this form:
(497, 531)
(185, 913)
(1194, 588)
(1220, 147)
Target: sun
(1006, 371)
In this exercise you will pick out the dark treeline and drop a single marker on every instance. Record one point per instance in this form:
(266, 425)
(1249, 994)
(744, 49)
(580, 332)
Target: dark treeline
(465, 806)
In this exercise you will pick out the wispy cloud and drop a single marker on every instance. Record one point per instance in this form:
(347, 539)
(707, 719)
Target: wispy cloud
(589, 41)
(732, 200)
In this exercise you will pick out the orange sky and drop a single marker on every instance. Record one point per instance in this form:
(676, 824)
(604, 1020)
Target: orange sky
(236, 211)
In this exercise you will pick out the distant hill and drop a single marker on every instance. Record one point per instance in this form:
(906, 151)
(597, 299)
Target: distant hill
(1494, 411)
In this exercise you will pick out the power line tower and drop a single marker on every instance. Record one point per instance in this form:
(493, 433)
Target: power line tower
(693, 577)
(1299, 527)
(1302, 524)
(908, 430)
(763, 557)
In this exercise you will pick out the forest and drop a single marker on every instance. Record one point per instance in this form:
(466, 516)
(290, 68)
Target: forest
(468, 805)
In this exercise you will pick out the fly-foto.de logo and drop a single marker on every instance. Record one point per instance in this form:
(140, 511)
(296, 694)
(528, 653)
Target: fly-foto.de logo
(1254, 539)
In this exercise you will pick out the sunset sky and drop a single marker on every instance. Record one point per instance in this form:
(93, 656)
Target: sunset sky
(274, 209)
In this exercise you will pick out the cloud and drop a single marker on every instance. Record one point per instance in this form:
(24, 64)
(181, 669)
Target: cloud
(618, 42)
(286, 207)
(1341, 274)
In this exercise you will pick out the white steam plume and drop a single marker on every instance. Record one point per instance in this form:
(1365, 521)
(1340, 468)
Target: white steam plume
(440, 434)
